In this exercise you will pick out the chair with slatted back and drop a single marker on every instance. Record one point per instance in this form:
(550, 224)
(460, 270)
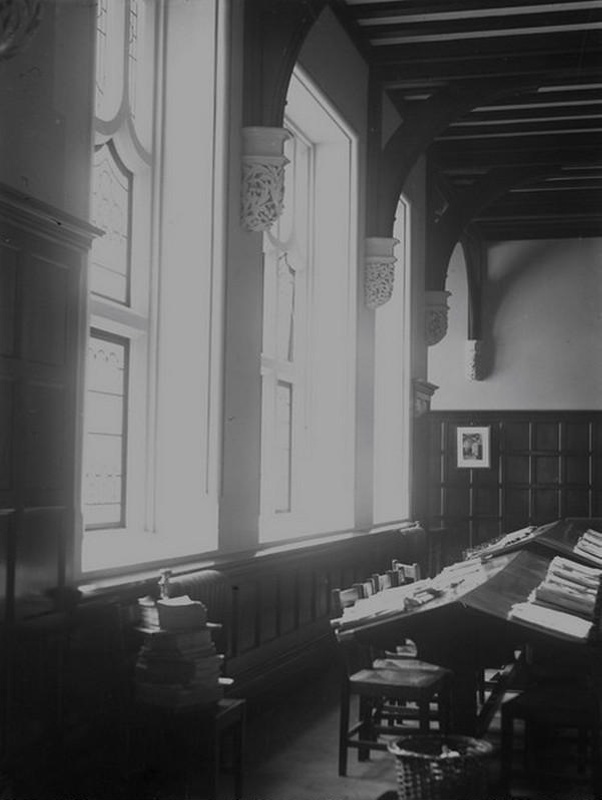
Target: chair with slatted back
(383, 692)
(407, 573)
(381, 695)
(399, 575)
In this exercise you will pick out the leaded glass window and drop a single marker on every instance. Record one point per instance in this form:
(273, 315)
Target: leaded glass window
(106, 439)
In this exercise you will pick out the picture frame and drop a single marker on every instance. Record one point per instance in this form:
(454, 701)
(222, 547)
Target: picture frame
(474, 447)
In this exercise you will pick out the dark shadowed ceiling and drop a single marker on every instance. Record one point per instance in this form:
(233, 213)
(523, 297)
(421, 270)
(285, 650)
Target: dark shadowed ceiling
(526, 79)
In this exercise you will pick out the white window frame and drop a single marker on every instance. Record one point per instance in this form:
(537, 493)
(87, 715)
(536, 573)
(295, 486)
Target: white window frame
(325, 332)
(190, 149)
(392, 386)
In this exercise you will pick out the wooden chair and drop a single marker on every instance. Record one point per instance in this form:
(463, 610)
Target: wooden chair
(393, 687)
(381, 694)
(399, 575)
(407, 573)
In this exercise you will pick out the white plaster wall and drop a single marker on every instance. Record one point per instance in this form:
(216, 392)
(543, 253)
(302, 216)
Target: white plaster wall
(46, 99)
(542, 328)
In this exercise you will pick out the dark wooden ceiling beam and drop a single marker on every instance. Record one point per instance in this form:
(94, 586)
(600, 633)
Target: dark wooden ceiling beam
(444, 231)
(540, 63)
(459, 7)
(471, 28)
(541, 209)
(463, 131)
(475, 155)
(487, 48)
(502, 115)
(411, 139)
(475, 258)
(553, 229)
(553, 65)
(584, 184)
(274, 34)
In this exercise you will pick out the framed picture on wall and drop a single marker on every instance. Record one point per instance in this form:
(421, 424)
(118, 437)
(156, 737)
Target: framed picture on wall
(474, 447)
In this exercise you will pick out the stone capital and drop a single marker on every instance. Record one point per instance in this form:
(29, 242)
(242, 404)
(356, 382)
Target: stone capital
(262, 190)
(436, 311)
(379, 270)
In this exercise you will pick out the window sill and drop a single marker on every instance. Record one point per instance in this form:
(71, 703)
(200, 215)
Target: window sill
(137, 580)
(46, 610)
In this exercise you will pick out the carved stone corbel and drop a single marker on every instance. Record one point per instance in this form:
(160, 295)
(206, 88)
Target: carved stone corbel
(263, 165)
(423, 392)
(436, 310)
(19, 20)
(474, 359)
(379, 270)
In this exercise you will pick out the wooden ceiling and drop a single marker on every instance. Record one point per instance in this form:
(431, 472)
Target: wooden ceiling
(527, 125)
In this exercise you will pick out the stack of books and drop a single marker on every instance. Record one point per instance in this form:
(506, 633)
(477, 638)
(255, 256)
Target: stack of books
(590, 545)
(565, 602)
(570, 587)
(177, 665)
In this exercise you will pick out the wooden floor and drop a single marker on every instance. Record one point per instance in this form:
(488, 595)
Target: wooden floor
(292, 755)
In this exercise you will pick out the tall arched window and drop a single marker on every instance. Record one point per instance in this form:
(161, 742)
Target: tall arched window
(150, 463)
(308, 358)
(392, 387)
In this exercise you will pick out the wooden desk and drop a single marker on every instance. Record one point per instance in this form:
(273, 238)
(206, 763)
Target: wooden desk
(190, 742)
(468, 627)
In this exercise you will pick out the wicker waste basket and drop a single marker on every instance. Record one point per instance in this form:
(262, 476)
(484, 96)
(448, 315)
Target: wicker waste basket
(436, 767)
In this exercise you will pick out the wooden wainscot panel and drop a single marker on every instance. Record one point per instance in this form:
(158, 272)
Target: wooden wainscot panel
(8, 287)
(38, 550)
(544, 465)
(283, 601)
(42, 297)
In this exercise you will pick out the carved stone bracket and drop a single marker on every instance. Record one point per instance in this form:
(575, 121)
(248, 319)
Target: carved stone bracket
(19, 20)
(263, 165)
(474, 359)
(379, 270)
(423, 392)
(436, 316)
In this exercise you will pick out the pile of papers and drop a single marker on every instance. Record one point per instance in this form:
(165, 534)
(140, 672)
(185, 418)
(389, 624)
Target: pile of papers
(567, 626)
(564, 601)
(590, 545)
(570, 587)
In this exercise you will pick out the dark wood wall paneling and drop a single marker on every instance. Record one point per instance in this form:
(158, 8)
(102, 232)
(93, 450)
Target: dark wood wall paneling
(545, 465)
(42, 259)
(71, 682)
(283, 601)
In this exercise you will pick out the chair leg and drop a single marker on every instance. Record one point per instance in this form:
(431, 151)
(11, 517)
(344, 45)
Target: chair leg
(506, 748)
(343, 728)
(444, 702)
(481, 686)
(239, 749)
(595, 760)
(582, 748)
(366, 730)
(424, 715)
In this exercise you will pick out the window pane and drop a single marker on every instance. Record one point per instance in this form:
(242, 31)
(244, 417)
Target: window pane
(392, 390)
(284, 430)
(104, 476)
(286, 310)
(111, 200)
(109, 58)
